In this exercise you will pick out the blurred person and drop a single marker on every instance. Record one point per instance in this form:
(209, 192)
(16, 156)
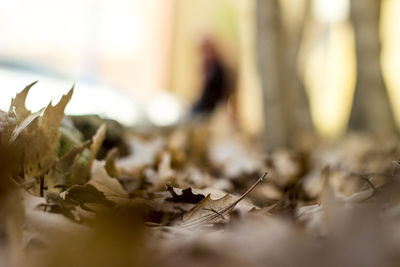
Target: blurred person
(216, 84)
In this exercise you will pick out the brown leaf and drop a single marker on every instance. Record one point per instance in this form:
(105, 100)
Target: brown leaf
(111, 187)
(58, 173)
(212, 211)
(25, 123)
(110, 165)
(81, 173)
(185, 195)
(165, 173)
(114, 191)
(32, 137)
(17, 108)
(41, 142)
(82, 194)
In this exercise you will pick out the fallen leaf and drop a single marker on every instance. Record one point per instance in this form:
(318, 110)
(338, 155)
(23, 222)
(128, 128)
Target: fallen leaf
(110, 165)
(80, 173)
(25, 123)
(185, 195)
(211, 211)
(111, 187)
(39, 152)
(87, 193)
(34, 138)
(59, 172)
(165, 173)
(17, 108)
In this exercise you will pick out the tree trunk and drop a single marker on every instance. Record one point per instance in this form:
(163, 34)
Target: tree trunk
(296, 104)
(371, 108)
(269, 59)
(286, 109)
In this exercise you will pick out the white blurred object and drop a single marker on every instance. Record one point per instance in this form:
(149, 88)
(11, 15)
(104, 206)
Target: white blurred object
(87, 98)
(164, 110)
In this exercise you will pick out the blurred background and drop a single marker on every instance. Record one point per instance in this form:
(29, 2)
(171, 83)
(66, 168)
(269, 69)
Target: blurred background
(306, 65)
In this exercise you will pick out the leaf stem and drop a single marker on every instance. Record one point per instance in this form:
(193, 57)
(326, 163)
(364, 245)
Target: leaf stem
(244, 194)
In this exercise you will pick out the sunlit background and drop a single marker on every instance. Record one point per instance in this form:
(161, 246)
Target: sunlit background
(138, 61)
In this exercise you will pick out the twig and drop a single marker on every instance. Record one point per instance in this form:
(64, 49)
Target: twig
(220, 214)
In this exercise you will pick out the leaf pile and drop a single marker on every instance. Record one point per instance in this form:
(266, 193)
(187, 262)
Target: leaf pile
(190, 196)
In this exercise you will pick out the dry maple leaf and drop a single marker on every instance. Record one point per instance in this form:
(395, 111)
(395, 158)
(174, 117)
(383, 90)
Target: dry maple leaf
(211, 211)
(32, 136)
(17, 108)
(25, 123)
(39, 154)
